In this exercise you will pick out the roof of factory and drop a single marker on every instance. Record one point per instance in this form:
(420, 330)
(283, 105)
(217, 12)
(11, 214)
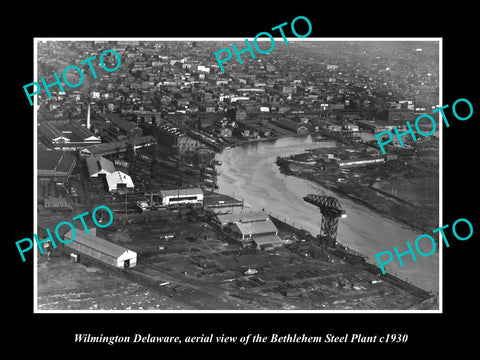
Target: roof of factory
(254, 228)
(243, 217)
(96, 164)
(96, 243)
(181, 192)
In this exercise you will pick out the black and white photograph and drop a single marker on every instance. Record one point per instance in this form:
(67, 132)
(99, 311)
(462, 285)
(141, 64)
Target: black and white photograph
(260, 187)
(219, 179)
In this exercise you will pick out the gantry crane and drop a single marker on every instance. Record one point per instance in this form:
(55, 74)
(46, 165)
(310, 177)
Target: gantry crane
(331, 211)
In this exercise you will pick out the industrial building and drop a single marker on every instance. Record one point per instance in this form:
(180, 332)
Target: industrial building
(370, 125)
(114, 180)
(98, 165)
(119, 181)
(182, 196)
(55, 165)
(292, 126)
(99, 249)
(55, 203)
(117, 146)
(361, 162)
(116, 127)
(377, 126)
(230, 219)
(50, 134)
(248, 230)
(171, 137)
(65, 135)
(254, 228)
(401, 115)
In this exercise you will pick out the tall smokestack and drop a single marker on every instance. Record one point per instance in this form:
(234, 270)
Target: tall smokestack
(88, 116)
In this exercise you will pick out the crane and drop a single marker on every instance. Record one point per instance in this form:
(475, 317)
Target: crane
(331, 211)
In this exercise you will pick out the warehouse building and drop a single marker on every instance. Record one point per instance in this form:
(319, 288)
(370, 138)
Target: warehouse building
(50, 135)
(361, 162)
(119, 182)
(117, 127)
(55, 203)
(248, 230)
(99, 249)
(182, 196)
(55, 165)
(98, 165)
(254, 228)
(171, 137)
(65, 135)
(117, 147)
(230, 219)
(267, 242)
(292, 126)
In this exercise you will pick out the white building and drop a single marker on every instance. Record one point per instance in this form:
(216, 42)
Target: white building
(99, 249)
(182, 196)
(237, 98)
(203, 68)
(95, 94)
(118, 180)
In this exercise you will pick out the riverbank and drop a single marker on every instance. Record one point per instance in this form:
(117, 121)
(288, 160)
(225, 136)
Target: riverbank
(401, 211)
(243, 142)
(403, 189)
(250, 173)
(421, 217)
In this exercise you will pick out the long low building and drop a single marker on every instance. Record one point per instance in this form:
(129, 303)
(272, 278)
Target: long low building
(117, 147)
(361, 161)
(67, 136)
(230, 219)
(292, 126)
(182, 196)
(100, 249)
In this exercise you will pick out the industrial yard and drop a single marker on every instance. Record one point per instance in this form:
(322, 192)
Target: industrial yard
(199, 268)
(145, 143)
(186, 259)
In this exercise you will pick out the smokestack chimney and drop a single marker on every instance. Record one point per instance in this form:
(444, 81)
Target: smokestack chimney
(88, 116)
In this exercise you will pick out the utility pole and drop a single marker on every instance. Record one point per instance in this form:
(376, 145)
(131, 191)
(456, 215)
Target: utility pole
(126, 201)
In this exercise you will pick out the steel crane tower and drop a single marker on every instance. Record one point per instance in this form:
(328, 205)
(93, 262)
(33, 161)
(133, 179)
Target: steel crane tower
(331, 211)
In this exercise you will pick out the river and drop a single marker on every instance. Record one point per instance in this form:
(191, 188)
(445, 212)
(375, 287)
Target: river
(249, 172)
